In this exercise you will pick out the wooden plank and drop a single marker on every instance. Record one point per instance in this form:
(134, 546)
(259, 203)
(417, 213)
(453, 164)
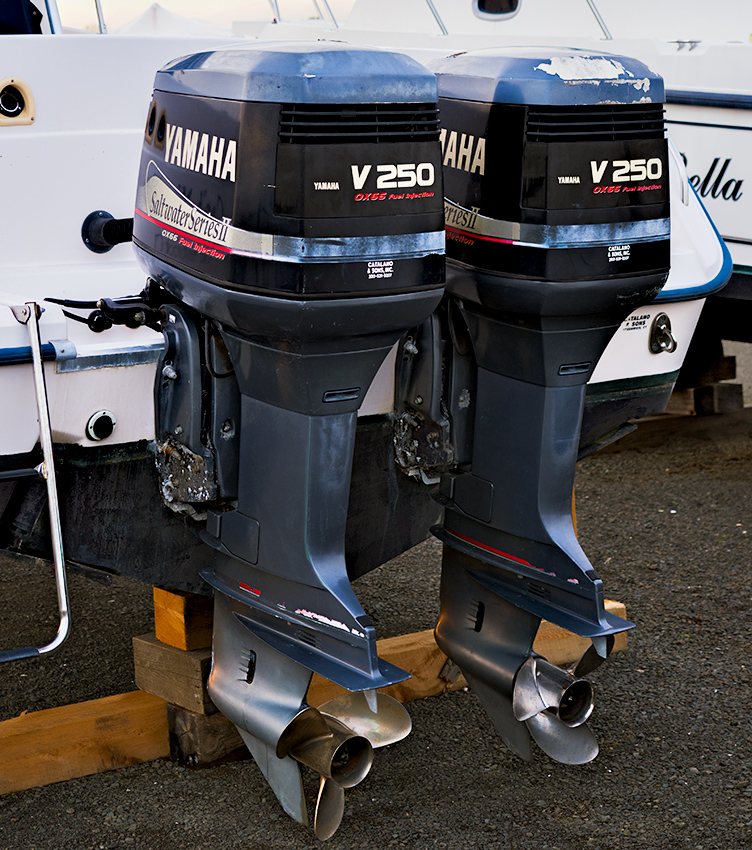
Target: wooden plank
(76, 740)
(183, 620)
(175, 675)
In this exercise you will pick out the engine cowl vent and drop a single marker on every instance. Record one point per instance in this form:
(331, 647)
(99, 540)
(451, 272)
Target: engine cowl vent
(307, 638)
(595, 123)
(325, 124)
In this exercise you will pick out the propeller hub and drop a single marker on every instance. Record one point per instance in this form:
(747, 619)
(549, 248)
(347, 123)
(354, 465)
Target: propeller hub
(576, 703)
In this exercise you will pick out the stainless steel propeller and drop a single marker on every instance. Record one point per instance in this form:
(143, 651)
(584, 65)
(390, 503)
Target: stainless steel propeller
(527, 698)
(340, 756)
(549, 704)
(554, 705)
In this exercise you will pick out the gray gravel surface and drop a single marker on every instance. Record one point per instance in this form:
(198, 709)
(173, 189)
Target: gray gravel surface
(665, 520)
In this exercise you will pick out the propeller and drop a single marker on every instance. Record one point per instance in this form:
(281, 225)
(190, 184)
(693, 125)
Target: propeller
(555, 705)
(549, 704)
(341, 757)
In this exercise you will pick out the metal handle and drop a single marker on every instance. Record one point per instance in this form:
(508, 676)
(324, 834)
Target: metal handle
(28, 314)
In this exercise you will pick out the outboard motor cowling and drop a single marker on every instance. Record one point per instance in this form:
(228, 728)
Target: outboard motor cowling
(557, 214)
(290, 203)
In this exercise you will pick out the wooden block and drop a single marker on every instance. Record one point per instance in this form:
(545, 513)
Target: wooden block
(175, 675)
(680, 403)
(719, 398)
(183, 620)
(201, 739)
(76, 740)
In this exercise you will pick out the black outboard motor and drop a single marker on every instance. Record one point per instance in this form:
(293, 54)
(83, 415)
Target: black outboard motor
(557, 214)
(291, 196)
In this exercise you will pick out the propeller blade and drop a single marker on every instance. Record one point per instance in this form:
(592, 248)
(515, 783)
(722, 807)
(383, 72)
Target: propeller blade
(306, 726)
(567, 744)
(330, 807)
(388, 724)
(498, 706)
(526, 698)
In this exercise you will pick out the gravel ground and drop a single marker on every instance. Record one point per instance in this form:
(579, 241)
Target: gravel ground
(665, 520)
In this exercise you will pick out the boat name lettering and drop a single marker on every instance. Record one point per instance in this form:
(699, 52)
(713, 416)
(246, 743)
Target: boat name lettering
(463, 151)
(196, 151)
(731, 190)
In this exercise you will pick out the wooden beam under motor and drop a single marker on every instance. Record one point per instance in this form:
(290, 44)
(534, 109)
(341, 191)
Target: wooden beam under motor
(55, 744)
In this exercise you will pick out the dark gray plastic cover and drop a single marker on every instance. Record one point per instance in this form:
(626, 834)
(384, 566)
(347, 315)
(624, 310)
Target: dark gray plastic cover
(546, 76)
(296, 72)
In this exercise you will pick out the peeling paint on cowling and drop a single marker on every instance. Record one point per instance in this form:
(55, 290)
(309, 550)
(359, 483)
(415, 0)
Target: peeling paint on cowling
(593, 70)
(613, 102)
(554, 76)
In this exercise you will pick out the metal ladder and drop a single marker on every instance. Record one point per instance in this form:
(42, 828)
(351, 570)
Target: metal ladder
(28, 314)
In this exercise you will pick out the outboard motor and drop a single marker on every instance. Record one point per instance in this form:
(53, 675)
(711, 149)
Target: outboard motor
(557, 214)
(290, 205)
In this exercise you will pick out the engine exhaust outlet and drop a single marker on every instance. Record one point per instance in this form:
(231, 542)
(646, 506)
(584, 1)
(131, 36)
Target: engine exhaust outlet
(541, 686)
(328, 747)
